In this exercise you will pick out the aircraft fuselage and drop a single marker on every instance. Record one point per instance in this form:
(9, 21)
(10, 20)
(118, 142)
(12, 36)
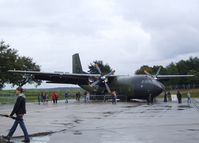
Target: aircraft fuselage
(138, 86)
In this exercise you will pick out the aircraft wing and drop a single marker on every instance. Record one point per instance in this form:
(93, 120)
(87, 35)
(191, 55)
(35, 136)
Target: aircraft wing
(164, 77)
(65, 78)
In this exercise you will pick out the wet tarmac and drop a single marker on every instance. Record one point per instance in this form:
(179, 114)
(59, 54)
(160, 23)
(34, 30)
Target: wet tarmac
(106, 123)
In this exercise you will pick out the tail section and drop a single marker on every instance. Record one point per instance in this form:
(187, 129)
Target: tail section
(77, 67)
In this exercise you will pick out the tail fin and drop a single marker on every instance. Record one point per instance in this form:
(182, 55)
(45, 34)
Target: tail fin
(77, 67)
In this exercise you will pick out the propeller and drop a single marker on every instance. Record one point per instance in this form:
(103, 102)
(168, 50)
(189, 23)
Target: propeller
(153, 76)
(156, 77)
(103, 79)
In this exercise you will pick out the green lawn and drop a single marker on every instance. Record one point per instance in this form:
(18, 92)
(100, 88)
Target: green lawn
(8, 96)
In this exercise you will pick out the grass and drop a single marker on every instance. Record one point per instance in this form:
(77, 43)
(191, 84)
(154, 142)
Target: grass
(8, 96)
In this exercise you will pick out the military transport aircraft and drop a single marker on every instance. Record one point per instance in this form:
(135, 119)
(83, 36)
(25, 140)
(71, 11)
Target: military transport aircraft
(131, 87)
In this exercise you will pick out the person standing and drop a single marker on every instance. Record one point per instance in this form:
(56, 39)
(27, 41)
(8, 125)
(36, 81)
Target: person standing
(78, 96)
(188, 97)
(66, 97)
(54, 97)
(179, 96)
(39, 99)
(46, 97)
(87, 97)
(19, 109)
(169, 96)
(114, 97)
(165, 96)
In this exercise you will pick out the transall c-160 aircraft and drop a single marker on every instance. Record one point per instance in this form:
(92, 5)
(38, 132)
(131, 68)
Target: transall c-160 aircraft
(145, 86)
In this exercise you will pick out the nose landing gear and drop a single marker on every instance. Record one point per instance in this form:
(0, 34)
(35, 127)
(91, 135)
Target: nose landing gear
(150, 99)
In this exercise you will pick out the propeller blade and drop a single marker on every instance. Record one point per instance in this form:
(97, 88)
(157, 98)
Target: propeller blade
(158, 71)
(107, 87)
(103, 79)
(98, 69)
(147, 73)
(150, 74)
(111, 73)
(95, 83)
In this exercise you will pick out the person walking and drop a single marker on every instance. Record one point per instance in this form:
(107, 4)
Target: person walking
(19, 109)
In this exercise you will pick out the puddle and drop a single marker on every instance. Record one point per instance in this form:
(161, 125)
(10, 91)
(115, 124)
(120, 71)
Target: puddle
(194, 130)
(78, 121)
(77, 133)
(35, 135)
(43, 139)
(107, 114)
(64, 124)
(34, 138)
(155, 109)
(135, 112)
(167, 106)
(180, 109)
(184, 106)
(129, 106)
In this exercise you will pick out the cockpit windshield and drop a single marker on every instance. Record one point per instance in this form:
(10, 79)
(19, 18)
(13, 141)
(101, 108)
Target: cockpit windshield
(147, 81)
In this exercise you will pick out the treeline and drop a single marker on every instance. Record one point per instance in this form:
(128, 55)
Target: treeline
(183, 67)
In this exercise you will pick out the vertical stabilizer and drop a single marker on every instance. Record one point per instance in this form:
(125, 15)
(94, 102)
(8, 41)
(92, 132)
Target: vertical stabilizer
(77, 67)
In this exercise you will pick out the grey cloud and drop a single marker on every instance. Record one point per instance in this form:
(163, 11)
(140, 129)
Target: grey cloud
(172, 24)
(133, 32)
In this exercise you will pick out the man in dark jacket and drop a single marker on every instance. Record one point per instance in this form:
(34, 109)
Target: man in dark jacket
(19, 109)
(179, 96)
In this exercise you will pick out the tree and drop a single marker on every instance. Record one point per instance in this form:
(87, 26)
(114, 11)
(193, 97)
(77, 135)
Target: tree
(9, 59)
(105, 69)
(186, 67)
(144, 68)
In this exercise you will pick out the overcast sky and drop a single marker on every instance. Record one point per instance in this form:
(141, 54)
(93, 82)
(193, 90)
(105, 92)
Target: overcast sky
(126, 34)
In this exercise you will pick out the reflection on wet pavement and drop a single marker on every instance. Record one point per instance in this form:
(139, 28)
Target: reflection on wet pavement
(43, 139)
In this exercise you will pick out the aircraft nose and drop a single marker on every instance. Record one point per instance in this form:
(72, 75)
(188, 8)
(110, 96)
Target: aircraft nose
(158, 88)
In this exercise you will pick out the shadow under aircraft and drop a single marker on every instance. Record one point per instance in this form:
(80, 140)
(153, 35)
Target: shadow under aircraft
(145, 86)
